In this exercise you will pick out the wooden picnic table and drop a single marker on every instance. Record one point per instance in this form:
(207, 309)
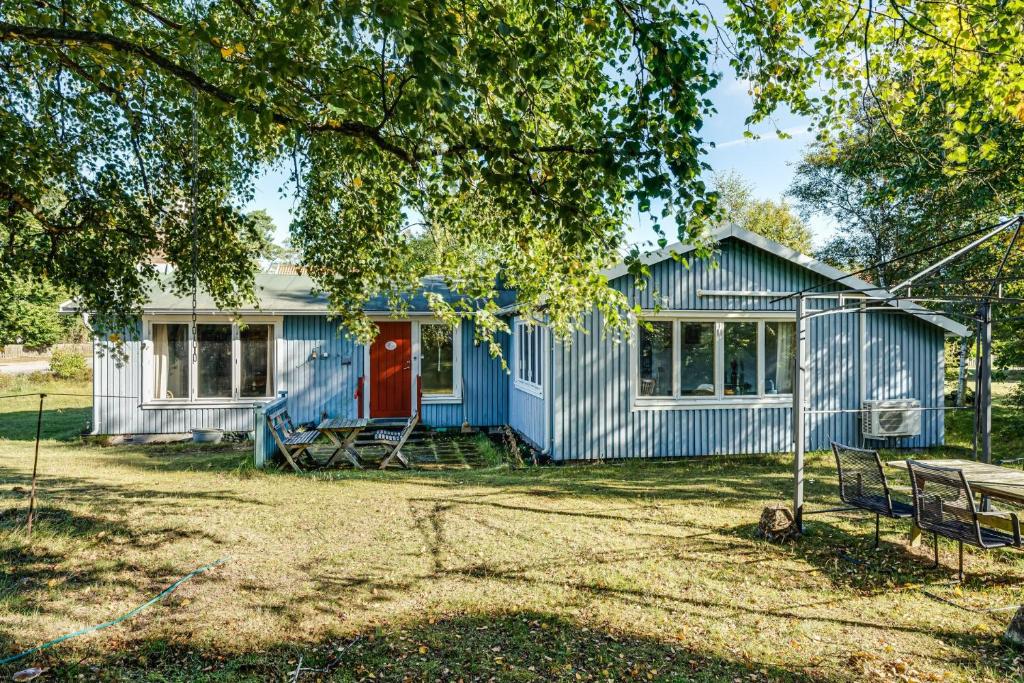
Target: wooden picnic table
(991, 481)
(343, 433)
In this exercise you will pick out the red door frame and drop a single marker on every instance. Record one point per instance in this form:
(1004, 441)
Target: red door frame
(390, 370)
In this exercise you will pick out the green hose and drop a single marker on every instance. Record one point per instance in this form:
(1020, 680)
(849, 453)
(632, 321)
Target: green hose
(128, 615)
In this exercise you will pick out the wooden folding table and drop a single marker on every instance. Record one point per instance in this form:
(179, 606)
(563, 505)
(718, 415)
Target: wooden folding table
(343, 433)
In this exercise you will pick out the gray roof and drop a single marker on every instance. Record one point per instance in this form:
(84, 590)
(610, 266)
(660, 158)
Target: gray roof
(296, 294)
(286, 293)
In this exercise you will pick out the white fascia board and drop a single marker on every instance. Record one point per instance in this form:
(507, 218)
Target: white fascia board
(823, 269)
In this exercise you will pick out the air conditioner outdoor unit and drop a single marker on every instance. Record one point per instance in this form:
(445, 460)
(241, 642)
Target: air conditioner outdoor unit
(894, 417)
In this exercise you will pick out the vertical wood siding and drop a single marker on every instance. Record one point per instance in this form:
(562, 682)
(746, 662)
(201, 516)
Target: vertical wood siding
(264, 446)
(594, 417)
(321, 386)
(315, 386)
(528, 414)
(117, 398)
(484, 387)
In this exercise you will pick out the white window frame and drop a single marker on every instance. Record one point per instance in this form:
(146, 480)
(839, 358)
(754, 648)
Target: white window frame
(719, 399)
(417, 360)
(519, 382)
(235, 401)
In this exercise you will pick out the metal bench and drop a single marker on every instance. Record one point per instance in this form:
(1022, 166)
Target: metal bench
(944, 504)
(862, 484)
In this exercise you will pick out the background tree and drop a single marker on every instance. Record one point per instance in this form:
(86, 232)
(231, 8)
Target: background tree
(28, 314)
(526, 127)
(772, 219)
(272, 251)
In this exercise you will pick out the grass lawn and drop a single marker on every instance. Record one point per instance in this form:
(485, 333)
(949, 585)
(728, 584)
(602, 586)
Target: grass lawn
(639, 571)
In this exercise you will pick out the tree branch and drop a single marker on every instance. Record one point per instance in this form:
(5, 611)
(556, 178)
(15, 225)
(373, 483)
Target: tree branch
(355, 129)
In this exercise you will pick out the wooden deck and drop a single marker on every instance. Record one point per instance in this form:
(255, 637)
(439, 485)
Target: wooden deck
(426, 450)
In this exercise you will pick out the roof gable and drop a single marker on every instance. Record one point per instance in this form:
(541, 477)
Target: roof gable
(839, 277)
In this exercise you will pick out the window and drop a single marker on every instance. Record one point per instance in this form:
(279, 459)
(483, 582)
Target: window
(230, 361)
(656, 359)
(256, 343)
(214, 351)
(697, 360)
(529, 357)
(681, 360)
(171, 361)
(779, 357)
(740, 359)
(437, 359)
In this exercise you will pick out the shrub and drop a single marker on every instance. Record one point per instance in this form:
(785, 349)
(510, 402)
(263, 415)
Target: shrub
(1016, 399)
(68, 365)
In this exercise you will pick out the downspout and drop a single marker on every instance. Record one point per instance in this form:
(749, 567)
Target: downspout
(862, 361)
(95, 366)
(549, 427)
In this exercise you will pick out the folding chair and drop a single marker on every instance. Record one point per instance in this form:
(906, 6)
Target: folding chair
(862, 484)
(292, 444)
(396, 439)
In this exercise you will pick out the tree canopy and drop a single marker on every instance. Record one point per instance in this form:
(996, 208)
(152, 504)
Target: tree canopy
(526, 128)
(772, 219)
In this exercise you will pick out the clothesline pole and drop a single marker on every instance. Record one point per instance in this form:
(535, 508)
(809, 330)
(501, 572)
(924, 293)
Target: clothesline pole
(35, 467)
(798, 413)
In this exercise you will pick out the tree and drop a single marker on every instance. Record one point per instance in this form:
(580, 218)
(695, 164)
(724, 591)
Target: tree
(266, 227)
(936, 85)
(527, 128)
(774, 220)
(523, 125)
(28, 313)
(872, 225)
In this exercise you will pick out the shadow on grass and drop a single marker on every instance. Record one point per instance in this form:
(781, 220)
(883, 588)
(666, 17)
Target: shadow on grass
(105, 498)
(849, 560)
(516, 646)
(180, 457)
(59, 424)
(34, 567)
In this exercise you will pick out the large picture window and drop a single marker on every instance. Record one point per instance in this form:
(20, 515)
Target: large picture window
(681, 360)
(529, 357)
(231, 361)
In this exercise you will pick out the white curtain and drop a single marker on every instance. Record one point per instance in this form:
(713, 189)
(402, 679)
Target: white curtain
(159, 361)
(785, 356)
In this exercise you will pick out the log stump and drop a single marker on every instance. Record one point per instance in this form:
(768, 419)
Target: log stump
(777, 524)
(1015, 631)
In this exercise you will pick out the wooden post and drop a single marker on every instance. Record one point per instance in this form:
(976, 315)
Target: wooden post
(985, 382)
(798, 415)
(35, 467)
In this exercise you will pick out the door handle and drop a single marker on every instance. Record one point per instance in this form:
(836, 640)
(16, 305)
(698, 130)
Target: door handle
(407, 366)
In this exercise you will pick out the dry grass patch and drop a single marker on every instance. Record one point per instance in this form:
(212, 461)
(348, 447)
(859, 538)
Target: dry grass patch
(641, 571)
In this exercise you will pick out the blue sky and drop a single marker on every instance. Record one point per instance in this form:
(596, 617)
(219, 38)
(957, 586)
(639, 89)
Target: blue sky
(766, 162)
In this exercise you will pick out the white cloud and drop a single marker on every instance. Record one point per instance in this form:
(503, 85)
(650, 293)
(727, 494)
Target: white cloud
(792, 131)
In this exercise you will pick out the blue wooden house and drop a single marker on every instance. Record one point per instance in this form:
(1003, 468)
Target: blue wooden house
(709, 371)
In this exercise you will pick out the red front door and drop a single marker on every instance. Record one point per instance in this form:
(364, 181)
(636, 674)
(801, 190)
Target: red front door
(391, 371)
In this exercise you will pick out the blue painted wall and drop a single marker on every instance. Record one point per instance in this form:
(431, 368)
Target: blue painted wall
(325, 385)
(586, 411)
(593, 413)
(528, 413)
